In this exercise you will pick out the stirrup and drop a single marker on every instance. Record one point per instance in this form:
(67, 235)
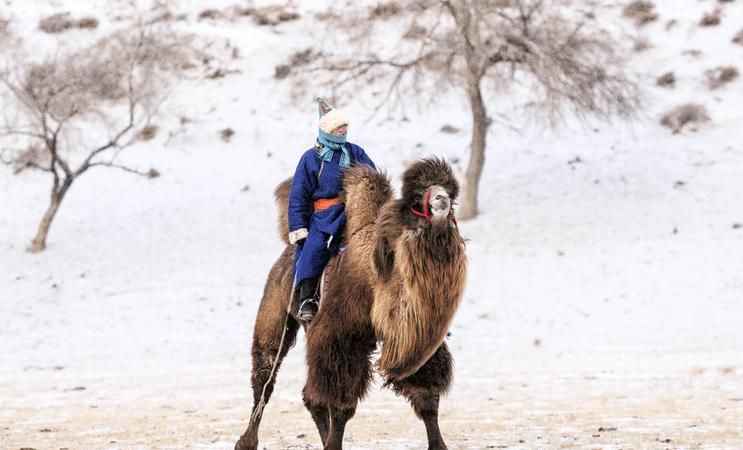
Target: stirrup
(307, 309)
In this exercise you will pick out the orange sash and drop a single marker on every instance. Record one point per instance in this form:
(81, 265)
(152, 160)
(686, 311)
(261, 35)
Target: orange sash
(325, 203)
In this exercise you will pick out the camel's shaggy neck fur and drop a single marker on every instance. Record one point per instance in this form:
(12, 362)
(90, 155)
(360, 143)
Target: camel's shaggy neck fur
(421, 266)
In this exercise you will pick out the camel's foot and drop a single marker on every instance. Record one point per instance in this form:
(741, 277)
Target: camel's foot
(247, 443)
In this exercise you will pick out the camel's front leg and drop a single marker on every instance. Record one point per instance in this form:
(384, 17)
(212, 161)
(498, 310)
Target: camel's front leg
(320, 415)
(423, 390)
(338, 419)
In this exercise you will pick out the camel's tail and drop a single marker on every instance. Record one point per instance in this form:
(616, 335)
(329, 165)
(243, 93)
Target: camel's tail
(364, 192)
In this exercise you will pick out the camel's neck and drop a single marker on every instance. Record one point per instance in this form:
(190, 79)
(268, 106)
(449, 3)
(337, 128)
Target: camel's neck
(413, 312)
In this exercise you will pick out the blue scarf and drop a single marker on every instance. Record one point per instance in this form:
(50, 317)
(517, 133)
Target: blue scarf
(330, 143)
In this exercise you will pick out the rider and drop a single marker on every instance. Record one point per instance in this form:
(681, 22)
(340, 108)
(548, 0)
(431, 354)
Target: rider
(316, 214)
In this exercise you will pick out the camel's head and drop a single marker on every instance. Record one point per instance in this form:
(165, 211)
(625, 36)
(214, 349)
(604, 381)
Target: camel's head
(429, 190)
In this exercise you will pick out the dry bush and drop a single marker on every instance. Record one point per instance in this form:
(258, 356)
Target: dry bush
(61, 22)
(738, 38)
(641, 11)
(666, 80)
(415, 32)
(711, 19)
(147, 133)
(683, 115)
(721, 76)
(384, 10)
(211, 14)
(56, 23)
(297, 59)
(274, 15)
(226, 134)
(641, 44)
(87, 23)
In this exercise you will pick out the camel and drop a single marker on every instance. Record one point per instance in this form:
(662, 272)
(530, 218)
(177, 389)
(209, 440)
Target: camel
(397, 284)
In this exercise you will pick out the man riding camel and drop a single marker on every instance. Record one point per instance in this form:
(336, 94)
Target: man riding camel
(316, 214)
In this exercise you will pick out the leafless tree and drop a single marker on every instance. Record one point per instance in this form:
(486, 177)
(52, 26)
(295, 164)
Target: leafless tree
(555, 52)
(80, 110)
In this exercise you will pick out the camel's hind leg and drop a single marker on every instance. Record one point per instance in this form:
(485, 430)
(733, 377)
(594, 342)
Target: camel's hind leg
(423, 390)
(267, 339)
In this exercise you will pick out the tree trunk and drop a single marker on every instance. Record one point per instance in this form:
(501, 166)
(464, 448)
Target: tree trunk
(39, 242)
(469, 206)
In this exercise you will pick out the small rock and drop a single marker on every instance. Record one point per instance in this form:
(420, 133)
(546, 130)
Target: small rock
(449, 129)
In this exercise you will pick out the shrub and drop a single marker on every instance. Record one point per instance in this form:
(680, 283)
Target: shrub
(147, 133)
(226, 134)
(87, 23)
(56, 23)
(682, 115)
(641, 44)
(738, 38)
(384, 10)
(274, 14)
(711, 19)
(668, 79)
(721, 76)
(212, 14)
(641, 11)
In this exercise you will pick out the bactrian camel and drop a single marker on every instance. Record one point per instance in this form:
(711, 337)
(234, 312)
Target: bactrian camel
(397, 284)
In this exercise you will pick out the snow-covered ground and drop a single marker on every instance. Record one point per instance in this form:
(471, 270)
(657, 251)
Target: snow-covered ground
(604, 305)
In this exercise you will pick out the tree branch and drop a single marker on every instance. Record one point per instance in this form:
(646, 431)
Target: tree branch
(147, 174)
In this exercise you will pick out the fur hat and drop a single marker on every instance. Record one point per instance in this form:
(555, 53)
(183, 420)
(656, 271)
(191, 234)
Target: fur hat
(330, 118)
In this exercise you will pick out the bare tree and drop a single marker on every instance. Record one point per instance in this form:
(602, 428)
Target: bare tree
(82, 109)
(555, 52)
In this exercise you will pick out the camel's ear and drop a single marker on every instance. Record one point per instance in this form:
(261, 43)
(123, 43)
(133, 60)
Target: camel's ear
(384, 259)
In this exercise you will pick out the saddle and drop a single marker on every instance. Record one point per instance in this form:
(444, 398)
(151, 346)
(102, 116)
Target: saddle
(329, 273)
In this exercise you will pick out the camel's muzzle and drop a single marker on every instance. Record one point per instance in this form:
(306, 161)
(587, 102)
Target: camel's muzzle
(439, 202)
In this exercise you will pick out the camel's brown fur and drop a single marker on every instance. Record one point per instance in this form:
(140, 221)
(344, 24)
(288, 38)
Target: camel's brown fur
(421, 272)
(399, 282)
(281, 195)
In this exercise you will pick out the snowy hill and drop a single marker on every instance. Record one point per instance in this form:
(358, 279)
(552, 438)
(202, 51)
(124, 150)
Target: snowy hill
(605, 289)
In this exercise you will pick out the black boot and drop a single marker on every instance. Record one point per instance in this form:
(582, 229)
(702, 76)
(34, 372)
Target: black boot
(307, 302)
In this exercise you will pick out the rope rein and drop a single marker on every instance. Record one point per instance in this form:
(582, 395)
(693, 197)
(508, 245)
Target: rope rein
(262, 402)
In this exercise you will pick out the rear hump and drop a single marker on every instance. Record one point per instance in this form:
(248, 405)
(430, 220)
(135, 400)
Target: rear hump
(281, 195)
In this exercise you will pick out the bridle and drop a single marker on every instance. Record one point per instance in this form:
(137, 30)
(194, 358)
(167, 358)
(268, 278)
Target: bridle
(426, 214)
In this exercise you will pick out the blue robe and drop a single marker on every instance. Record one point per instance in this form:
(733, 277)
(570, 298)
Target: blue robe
(315, 179)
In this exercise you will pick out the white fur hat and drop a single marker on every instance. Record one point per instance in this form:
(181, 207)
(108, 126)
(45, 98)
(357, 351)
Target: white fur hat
(332, 120)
